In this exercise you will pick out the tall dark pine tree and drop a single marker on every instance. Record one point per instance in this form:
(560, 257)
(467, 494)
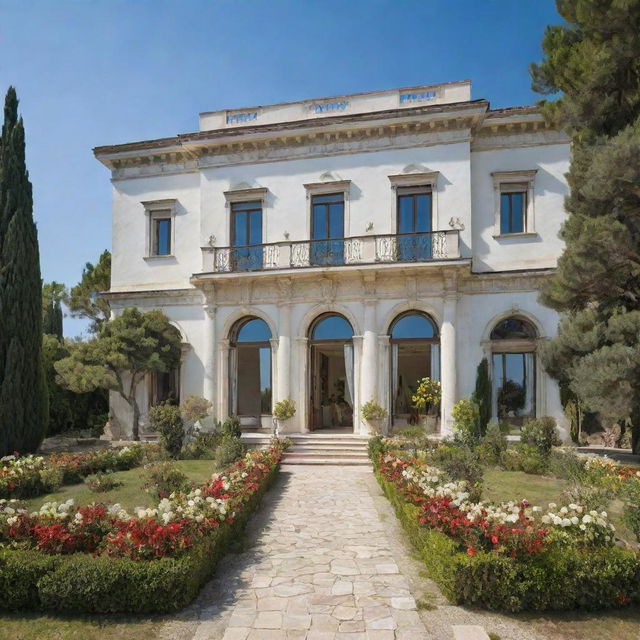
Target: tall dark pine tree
(594, 62)
(23, 399)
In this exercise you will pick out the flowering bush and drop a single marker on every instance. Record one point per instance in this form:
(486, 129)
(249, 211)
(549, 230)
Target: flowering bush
(512, 529)
(427, 394)
(102, 481)
(178, 522)
(26, 476)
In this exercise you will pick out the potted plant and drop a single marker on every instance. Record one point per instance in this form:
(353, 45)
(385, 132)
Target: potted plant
(426, 399)
(282, 411)
(374, 414)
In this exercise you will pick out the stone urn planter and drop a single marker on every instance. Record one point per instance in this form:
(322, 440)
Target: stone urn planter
(283, 411)
(374, 417)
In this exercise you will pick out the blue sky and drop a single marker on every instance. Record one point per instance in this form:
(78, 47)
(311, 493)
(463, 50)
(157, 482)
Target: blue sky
(94, 72)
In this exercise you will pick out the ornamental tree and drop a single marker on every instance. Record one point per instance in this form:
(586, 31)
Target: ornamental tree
(482, 396)
(127, 348)
(593, 62)
(23, 394)
(84, 300)
(53, 293)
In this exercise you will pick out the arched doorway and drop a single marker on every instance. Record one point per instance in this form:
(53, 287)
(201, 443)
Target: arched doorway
(415, 354)
(513, 366)
(331, 372)
(250, 371)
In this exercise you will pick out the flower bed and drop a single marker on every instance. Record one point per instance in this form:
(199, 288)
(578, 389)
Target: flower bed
(509, 556)
(102, 559)
(28, 476)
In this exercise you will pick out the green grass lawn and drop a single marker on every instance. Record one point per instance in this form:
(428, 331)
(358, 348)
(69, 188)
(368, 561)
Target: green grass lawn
(502, 486)
(130, 494)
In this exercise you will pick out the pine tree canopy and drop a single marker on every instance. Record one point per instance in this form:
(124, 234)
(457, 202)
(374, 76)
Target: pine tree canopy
(593, 62)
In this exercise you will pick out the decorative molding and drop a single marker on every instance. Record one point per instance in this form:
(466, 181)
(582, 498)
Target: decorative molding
(422, 179)
(246, 195)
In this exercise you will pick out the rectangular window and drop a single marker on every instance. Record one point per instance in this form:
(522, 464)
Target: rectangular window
(327, 229)
(414, 224)
(161, 233)
(514, 386)
(165, 387)
(513, 206)
(246, 235)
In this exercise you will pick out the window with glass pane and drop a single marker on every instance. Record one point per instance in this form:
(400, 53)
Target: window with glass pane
(246, 235)
(165, 387)
(414, 225)
(327, 229)
(512, 211)
(514, 385)
(161, 236)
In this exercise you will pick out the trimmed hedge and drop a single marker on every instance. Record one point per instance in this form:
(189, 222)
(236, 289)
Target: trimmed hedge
(553, 580)
(81, 583)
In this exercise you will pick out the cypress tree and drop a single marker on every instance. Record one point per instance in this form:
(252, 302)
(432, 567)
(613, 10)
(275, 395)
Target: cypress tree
(593, 61)
(52, 321)
(23, 398)
(482, 396)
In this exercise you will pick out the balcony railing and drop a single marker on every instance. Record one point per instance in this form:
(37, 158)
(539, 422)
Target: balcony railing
(334, 252)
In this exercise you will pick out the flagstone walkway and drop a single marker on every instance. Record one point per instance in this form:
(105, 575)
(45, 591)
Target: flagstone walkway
(321, 568)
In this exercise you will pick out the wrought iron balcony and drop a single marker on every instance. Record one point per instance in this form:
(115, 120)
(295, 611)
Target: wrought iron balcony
(334, 252)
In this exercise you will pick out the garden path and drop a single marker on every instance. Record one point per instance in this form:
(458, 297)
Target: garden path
(325, 559)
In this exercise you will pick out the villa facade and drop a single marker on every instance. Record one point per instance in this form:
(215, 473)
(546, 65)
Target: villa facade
(338, 250)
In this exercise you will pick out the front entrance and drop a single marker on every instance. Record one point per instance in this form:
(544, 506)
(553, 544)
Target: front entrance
(331, 373)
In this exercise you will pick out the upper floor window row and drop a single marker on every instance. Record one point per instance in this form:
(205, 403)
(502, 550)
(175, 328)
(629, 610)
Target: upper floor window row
(514, 211)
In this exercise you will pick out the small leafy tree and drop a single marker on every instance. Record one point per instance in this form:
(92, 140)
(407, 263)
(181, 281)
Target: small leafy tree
(482, 396)
(166, 420)
(84, 300)
(127, 348)
(465, 421)
(427, 395)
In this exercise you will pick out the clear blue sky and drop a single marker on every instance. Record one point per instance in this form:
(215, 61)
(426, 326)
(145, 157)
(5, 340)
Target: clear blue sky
(98, 72)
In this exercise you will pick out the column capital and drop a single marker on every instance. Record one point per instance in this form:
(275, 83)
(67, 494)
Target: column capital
(210, 309)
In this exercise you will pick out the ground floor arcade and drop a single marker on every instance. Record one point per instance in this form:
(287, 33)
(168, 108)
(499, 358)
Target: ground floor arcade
(332, 343)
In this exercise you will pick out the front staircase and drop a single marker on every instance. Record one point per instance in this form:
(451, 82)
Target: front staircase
(319, 448)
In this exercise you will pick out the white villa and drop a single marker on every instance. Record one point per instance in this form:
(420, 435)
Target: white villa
(338, 250)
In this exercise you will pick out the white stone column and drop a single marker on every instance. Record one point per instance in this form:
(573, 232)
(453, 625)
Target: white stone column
(369, 362)
(223, 380)
(301, 374)
(283, 360)
(448, 363)
(209, 355)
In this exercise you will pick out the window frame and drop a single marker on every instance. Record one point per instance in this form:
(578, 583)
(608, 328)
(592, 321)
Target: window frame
(405, 184)
(522, 181)
(155, 211)
(330, 187)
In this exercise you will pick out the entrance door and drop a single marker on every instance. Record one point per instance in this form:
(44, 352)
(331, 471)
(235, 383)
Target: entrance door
(331, 373)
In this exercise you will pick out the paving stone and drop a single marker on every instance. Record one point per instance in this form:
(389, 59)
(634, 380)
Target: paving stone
(268, 620)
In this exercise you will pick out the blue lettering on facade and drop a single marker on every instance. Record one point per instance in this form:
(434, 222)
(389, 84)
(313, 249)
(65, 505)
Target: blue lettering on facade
(417, 97)
(237, 118)
(329, 107)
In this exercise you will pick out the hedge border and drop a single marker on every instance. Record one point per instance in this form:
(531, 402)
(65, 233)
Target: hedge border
(559, 580)
(81, 583)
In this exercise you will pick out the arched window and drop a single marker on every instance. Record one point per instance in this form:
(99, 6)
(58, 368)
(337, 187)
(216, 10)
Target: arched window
(250, 369)
(415, 354)
(513, 358)
(331, 371)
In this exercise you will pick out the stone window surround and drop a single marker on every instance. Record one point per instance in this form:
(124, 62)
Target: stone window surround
(247, 195)
(418, 180)
(324, 188)
(154, 210)
(504, 182)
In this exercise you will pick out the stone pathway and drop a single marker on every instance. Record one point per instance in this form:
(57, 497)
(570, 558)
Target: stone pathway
(321, 568)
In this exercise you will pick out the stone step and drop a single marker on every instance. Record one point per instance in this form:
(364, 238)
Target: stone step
(328, 461)
(314, 453)
(328, 447)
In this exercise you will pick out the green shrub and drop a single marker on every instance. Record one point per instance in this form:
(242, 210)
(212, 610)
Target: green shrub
(228, 451)
(541, 434)
(231, 428)
(284, 409)
(590, 498)
(203, 446)
(630, 493)
(51, 479)
(567, 464)
(371, 410)
(102, 481)
(163, 479)
(20, 572)
(465, 415)
(375, 447)
(460, 462)
(166, 420)
(524, 457)
(492, 445)
(194, 409)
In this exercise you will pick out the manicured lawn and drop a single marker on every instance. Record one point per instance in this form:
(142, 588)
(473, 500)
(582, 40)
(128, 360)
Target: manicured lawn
(130, 494)
(502, 486)
(38, 626)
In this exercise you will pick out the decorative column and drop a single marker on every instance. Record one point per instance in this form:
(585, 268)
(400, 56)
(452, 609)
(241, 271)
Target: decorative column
(448, 352)
(369, 363)
(223, 380)
(301, 374)
(284, 352)
(209, 355)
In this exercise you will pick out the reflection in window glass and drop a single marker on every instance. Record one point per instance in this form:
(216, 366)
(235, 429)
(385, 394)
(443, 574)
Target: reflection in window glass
(514, 385)
(332, 328)
(512, 210)
(162, 237)
(413, 326)
(255, 330)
